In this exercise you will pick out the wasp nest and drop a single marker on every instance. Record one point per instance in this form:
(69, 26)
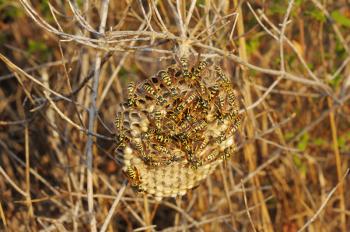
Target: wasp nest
(176, 127)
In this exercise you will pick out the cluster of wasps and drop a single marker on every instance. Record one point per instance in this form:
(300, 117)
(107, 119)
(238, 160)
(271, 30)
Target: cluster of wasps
(186, 114)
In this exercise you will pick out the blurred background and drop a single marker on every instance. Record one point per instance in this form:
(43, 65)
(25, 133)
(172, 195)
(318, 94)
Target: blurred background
(65, 66)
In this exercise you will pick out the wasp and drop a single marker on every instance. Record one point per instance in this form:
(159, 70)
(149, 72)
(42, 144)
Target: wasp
(221, 101)
(203, 89)
(188, 117)
(157, 118)
(192, 160)
(203, 144)
(233, 116)
(212, 156)
(223, 79)
(201, 66)
(213, 91)
(186, 122)
(174, 158)
(160, 100)
(183, 127)
(219, 116)
(131, 93)
(232, 100)
(220, 138)
(198, 126)
(151, 161)
(165, 78)
(154, 163)
(118, 122)
(191, 98)
(186, 103)
(151, 91)
(120, 138)
(171, 115)
(169, 127)
(139, 147)
(162, 149)
(226, 155)
(202, 105)
(182, 137)
(120, 141)
(235, 122)
(132, 173)
(230, 116)
(228, 152)
(148, 134)
(134, 178)
(167, 81)
(195, 163)
(184, 65)
(161, 138)
(180, 108)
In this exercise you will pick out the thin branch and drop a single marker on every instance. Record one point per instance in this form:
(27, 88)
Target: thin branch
(92, 114)
(246, 206)
(114, 206)
(18, 70)
(324, 203)
(13, 184)
(283, 28)
(27, 171)
(189, 14)
(80, 18)
(301, 59)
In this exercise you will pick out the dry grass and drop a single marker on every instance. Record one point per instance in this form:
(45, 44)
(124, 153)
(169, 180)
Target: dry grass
(65, 67)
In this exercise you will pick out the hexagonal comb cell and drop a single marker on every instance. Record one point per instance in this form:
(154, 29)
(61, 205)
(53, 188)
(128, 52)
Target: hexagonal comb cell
(176, 127)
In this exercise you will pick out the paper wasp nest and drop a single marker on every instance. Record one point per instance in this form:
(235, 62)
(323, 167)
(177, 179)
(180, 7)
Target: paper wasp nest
(176, 127)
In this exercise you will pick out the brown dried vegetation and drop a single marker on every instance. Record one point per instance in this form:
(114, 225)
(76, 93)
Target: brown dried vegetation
(65, 67)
